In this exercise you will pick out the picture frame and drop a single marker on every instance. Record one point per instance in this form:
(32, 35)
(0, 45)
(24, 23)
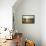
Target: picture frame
(28, 19)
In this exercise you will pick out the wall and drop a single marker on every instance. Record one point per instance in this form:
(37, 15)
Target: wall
(30, 31)
(43, 22)
(6, 13)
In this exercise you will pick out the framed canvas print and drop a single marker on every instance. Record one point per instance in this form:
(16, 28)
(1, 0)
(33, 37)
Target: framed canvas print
(28, 19)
